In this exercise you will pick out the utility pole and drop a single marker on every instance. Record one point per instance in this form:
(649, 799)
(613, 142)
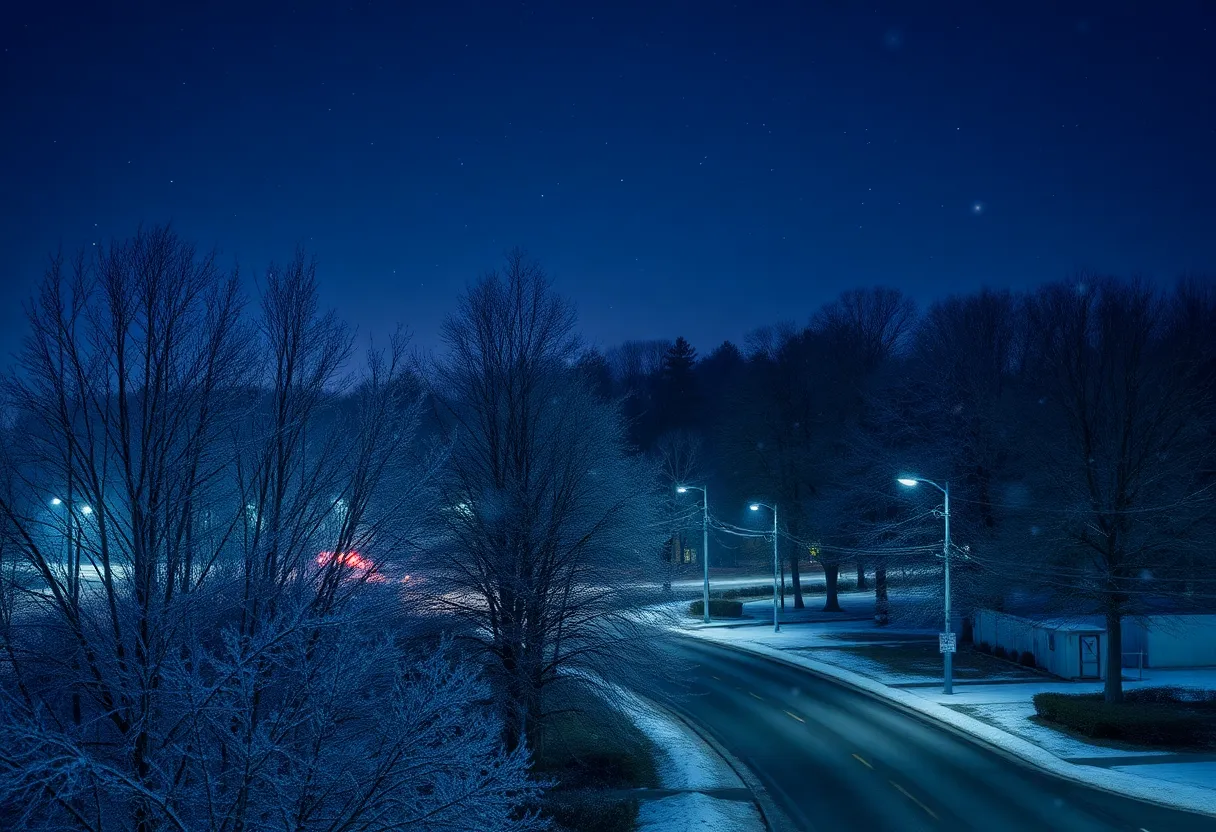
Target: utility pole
(776, 621)
(947, 656)
(705, 550)
(947, 640)
(704, 541)
(773, 509)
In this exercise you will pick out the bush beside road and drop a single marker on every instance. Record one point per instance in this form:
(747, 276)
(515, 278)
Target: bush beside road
(1163, 717)
(996, 714)
(718, 608)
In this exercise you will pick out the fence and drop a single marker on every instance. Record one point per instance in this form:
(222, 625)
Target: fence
(1138, 663)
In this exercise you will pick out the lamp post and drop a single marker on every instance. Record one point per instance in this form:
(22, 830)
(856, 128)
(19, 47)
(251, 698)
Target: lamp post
(947, 655)
(73, 538)
(773, 509)
(683, 489)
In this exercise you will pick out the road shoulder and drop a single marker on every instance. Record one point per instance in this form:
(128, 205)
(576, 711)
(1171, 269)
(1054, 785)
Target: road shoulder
(701, 788)
(1122, 781)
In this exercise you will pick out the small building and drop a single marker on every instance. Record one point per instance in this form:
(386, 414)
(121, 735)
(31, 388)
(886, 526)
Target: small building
(680, 550)
(1074, 647)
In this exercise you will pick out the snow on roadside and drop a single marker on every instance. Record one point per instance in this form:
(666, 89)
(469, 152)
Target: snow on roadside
(1183, 796)
(868, 667)
(684, 761)
(687, 762)
(696, 812)
(1014, 717)
(1191, 774)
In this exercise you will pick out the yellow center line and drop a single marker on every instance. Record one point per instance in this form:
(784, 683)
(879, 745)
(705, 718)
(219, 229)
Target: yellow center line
(795, 716)
(908, 795)
(761, 698)
(862, 760)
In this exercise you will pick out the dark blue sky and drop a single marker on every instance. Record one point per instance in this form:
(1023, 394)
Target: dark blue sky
(692, 168)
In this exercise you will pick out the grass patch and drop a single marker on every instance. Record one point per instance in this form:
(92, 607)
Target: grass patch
(921, 658)
(1175, 718)
(591, 811)
(589, 749)
(880, 636)
(718, 608)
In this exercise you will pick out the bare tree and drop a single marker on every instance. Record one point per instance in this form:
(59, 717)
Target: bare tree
(769, 438)
(178, 653)
(680, 462)
(1123, 426)
(550, 520)
(871, 322)
(809, 389)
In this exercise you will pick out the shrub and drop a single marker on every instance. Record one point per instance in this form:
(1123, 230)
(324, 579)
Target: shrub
(1172, 694)
(1159, 717)
(984, 647)
(1027, 659)
(591, 812)
(998, 651)
(745, 592)
(718, 608)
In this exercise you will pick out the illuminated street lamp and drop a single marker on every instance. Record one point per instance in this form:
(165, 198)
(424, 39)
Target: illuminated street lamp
(684, 489)
(947, 655)
(55, 501)
(773, 509)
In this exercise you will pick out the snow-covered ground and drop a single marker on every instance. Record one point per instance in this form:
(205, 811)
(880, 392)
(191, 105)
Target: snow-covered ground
(997, 714)
(695, 811)
(1014, 717)
(1190, 774)
(686, 763)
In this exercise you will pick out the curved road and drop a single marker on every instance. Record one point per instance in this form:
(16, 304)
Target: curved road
(834, 759)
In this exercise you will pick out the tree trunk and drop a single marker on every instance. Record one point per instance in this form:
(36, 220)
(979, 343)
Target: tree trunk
(882, 612)
(831, 571)
(861, 575)
(1114, 657)
(795, 577)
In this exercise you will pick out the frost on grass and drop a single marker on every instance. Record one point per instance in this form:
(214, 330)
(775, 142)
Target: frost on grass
(695, 812)
(200, 627)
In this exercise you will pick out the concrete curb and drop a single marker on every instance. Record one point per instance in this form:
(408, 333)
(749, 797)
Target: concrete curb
(1169, 795)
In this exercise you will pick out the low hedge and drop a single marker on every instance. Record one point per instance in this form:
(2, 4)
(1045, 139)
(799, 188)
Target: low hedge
(718, 608)
(1175, 718)
(744, 592)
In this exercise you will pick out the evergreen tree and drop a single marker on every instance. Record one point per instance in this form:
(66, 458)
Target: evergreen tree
(677, 397)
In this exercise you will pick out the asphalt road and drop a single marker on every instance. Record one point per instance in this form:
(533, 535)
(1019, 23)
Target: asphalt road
(830, 758)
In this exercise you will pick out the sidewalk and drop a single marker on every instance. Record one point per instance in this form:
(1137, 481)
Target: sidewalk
(999, 714)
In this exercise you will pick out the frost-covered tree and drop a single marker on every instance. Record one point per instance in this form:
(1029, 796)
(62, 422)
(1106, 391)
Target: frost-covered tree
(197, 621)
(550, 521)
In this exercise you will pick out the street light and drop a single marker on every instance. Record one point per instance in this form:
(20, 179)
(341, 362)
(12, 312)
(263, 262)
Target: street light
(684, 489)
(55, 501)
(947, 655)
(773, 509)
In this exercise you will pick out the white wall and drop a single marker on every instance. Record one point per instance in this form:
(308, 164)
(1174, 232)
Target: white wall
(1022, 634)
(1181, 641)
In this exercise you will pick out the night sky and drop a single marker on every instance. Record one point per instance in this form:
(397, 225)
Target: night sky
(691, 168)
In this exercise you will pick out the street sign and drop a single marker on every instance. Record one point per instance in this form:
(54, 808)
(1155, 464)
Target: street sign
(947, 642)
